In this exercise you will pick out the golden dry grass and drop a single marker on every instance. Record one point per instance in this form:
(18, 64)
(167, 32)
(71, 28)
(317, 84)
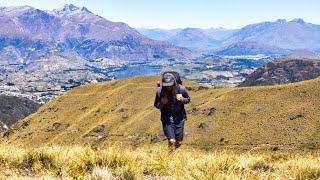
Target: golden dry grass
(154, 162)
(122, 110)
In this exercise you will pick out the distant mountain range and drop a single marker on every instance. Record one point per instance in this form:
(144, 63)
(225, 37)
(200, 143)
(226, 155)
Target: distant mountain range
(295, 34)
(250, 48)
(194, 39)
(279, 37)
(159, 34)
(219, 34)
(27, 34)
(191, 38)
(302, 53)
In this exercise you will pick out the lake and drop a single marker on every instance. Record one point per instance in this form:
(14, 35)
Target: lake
(136, 71)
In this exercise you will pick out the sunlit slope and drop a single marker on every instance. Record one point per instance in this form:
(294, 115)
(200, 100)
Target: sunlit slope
(122, 110)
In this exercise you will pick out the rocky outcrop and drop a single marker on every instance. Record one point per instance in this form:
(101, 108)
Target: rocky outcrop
(283, 71)
(14, 108)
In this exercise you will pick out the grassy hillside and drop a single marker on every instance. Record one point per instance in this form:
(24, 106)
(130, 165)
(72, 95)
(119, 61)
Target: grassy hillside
(154, 162)
(122, 110)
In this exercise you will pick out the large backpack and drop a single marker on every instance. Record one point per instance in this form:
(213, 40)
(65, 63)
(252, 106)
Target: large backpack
(179, 81)
(176, 76)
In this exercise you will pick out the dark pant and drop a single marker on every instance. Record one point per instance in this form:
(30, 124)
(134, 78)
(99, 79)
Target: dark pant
(173, 126)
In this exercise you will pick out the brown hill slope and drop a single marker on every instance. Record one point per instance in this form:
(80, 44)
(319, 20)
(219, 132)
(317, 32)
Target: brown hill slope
(283, 71)
(123, 110)
(14, 108)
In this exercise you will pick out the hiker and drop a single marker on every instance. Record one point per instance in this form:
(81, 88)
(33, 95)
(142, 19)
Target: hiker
(170, 99)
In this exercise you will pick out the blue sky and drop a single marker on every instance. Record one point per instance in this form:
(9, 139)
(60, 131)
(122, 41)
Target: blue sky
(171, 14)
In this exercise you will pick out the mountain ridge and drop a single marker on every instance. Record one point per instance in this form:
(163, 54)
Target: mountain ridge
(302, 53)
(277, 36)
(295, 34)
(32, 33)
(250, 48)
(193, 39)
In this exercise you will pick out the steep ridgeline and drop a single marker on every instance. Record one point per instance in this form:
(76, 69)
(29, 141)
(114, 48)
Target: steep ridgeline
(191, 38)
(271, 38)
(219, 34)
(194, 39)
(122, 111)
(283, 71)
(14, 108)
(295, 34)
(159, 34)
(302, 53)
(27, 34)
(250, 48)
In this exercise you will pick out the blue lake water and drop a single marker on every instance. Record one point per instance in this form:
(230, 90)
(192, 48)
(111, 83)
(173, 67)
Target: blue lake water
(132, 71)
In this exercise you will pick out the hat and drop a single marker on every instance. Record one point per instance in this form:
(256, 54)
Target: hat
(168, 79)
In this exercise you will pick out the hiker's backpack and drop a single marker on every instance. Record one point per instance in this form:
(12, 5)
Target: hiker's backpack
(179, 81)
(176, 76)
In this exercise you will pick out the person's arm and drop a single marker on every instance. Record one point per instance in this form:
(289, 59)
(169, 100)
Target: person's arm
(186, 98)
(160, 102)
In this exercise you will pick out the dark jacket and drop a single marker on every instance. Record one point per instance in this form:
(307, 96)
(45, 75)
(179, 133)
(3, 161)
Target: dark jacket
(174, 106)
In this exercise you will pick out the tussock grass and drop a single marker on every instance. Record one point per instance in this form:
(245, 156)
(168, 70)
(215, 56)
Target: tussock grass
(122, 110)
(154, 162)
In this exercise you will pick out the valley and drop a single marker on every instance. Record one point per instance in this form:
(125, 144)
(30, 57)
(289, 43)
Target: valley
(46, 79)
(71, 49)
